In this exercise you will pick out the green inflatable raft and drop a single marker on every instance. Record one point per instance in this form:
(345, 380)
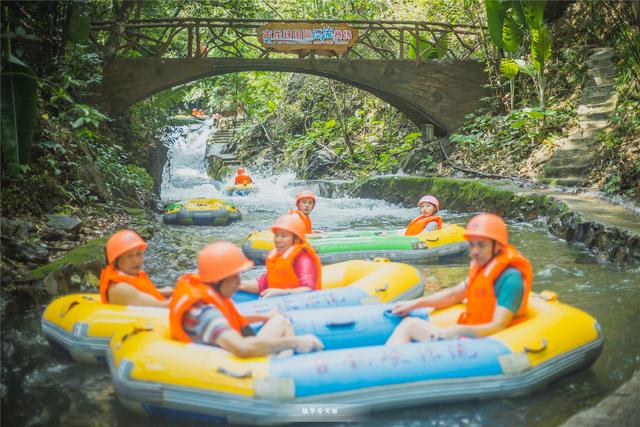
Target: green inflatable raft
(343, 246)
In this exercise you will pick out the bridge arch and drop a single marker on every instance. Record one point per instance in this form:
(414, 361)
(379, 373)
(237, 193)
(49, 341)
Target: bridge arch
(437, 92)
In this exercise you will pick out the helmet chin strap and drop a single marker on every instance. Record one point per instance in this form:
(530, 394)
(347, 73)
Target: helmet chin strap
(493, 252)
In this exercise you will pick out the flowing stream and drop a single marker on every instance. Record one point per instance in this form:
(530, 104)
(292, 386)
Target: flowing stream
(41, 389)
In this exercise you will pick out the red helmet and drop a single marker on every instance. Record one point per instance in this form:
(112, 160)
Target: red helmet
(291, 223)
(487, 226)
(220, 260)
(430, 199)
(305, 194)
(121, 242)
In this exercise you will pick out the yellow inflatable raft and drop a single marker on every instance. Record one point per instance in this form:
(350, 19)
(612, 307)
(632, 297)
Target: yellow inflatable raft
(154, 374)
(240, 189)
(214, 212)
(342, 246)
(81, 326)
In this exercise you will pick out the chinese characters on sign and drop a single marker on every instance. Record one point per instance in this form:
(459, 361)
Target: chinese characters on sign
(301, 37)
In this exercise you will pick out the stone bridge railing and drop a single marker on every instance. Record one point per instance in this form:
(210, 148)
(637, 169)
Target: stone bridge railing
(237, 38)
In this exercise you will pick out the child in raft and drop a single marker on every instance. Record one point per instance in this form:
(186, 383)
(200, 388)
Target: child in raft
(305, 203)
(123, 281)
(292, 266)
(428, 220)
(242, 178)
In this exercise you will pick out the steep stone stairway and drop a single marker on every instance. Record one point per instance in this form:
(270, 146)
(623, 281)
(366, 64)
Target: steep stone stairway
(569, 165)
(215, 156)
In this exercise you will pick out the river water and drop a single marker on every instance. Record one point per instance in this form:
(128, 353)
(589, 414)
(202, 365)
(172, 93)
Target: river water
(38, 388)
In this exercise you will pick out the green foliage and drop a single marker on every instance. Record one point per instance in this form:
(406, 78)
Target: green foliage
(429, 48)
(506, 20)
(512, 136)
(508, 68)
(19, 98)
(540, 47)
(511, 32)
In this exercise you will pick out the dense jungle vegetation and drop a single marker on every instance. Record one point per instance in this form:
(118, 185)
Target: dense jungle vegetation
(62, 155)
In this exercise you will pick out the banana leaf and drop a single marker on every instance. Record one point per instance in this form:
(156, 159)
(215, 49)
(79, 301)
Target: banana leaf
(508, 68)
(429, 49)
(18, 99)
(540, 46)
(534, 12)
(511, 32)
(496, 13)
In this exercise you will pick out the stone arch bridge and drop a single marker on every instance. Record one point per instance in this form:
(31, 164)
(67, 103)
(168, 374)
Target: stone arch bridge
(437, 87)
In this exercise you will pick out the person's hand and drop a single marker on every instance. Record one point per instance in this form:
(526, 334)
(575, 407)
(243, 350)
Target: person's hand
(450, 332)
(273, 292)
(307, 343)
(404, 307)
(166, 291)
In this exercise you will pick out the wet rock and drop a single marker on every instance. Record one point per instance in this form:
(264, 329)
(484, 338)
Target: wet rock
(16, 228)
(66, 223)
(50, 234)
(319, 165)
(25, 251)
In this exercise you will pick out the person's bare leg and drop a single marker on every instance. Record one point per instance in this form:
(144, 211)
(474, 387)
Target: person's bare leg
(412, 329)
(275, 327)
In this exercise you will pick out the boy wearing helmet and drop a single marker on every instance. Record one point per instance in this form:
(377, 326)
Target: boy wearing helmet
(293, 266)
(428, 220)
(201, 309)
(497, 288)
(305, 203)
(123, 281)
(242, 178)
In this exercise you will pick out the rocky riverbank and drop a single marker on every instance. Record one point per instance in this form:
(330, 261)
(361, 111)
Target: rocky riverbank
(62, 253)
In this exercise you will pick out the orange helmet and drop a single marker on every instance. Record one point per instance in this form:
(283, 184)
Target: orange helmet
(121, 242)
(240, 170)
(430, 199)
(220, 260)
(305, 194)
(291, 223)
(488, 226)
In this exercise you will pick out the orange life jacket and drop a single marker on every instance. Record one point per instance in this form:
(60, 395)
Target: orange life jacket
(418, 224)
(481, 298)
(305, 218)
(190, 290)
(280, 272)
(243, 179)
(110, 274)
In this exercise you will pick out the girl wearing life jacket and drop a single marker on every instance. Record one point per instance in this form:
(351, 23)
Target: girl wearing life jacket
(428, 220)
(242, 178)
(293, 266)
(497, 289)
(123, 281)
(305, 203)
(202, 311)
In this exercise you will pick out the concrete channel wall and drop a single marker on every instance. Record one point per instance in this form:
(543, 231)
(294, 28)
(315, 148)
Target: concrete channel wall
(607, 229)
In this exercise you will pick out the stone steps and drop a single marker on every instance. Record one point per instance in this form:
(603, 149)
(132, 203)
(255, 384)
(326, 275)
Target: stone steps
(598, 89)
(572, 152)
(553, 171)
(603, 98)
(603, 71)
(588, 108)
(567, 182)
(578, 160)
(570, 163)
